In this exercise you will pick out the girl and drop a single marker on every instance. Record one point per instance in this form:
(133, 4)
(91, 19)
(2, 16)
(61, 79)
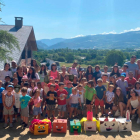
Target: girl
(115, 71)
(119, 105)
(5, 72)
(133, 105)
(63, 74)
(37, 104)
(32, 75)
(137, 87)
(73, 70)
(83, 81)
(113, 82)
(66, 80)
(89, 73)
(54, 71)
(43, 75)
(35, 65)
(25, 70)
(90, 93)
(138, 63)
(75, 81)
(74, 99)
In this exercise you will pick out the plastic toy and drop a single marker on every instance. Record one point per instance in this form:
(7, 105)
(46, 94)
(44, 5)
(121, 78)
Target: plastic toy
(60, 125)
(75, 126)
(108, 125)
(89, 115)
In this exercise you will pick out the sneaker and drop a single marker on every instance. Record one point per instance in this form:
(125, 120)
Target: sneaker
(138, 121)
(5, 125)
(96, 115)
(41, 114)
(11, 125)
(117, 113)
(25, 125)
(21, 121)
(133, 117)
(46, 115)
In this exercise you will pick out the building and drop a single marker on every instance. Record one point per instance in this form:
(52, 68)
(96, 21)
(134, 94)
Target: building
(50, 62)
(27, 42)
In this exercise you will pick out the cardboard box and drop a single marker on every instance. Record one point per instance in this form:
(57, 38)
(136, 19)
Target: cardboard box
(41, 129)
(90, 125)
(75, 126)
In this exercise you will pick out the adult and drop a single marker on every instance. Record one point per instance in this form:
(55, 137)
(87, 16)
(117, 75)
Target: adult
(19, 74)
(105, 72)
(35, 65)
(81, 74)
(115, 71)
(132, 66)
(97, 73)
(5, 72)
(13, 67)
(62, 74)
(138, 63)
(73, 70)
(53, 72)
(119, 105)
(89, 73)
(124, 70)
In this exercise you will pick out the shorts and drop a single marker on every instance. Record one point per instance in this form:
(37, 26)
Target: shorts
(15, 110)
(136, 111)
(25, 112)
(81, 107)
(8, 111)
(1, 106)
(74, 105)
(37, 110)
(108, 106)
(61, 107)
(50, 107)
(88, 102)
(68, 102)
(97, 103)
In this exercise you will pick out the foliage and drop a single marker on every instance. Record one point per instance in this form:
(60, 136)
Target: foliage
(61, 59)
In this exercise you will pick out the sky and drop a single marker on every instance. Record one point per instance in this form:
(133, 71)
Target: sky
(72, 18)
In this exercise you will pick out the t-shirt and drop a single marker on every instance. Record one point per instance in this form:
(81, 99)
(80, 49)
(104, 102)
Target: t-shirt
(62, 99)
(36, 101)
(130, 81)
(24, 100)
(106, 85)
(108, 73)
(1, 90)
(74, 98)
(121, 71)
(51, 99)
(4, 73)
(81, 95)
(89, 93)
(56, 86)
(17, 99)
(123, 85)
(132, 67)
(138, 91)
(42, 76)
(13, 70)
(69, 90)
(109, 95)
(100, 91)
(97, 75)
(117, 74)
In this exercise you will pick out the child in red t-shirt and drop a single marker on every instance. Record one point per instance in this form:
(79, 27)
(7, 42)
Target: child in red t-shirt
(52, 81)
(62, 95)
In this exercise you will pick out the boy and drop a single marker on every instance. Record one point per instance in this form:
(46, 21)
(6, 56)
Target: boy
(109, 99)
(97, 73)
(105, 72)
(50, 101)
(8, 103)
(100, 94)
(52, 81)
(124, 70)
(105, 83)
(61, 95)
(24, 100)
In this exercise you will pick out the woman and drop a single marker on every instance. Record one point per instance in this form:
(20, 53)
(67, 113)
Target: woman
(32, 75)
(35, 65)
(89, 73)
(119, 104)
(5, 72)
(19, 74)
(115, 71)
(73, 70)
(54, 71)
(62, 75)
(25, 70)
(133, 105)
(138, 63)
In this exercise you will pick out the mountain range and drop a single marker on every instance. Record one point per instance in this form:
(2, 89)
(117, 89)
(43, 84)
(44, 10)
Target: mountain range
(101, 41)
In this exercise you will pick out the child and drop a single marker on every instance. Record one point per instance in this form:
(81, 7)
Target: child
(109, 99)
(37, 104)
(75, 99)
(24, 100)
(100, 94)
(97, 73)
(52, 81)
(81, 92)
(90, 94)
(105, 72)
(83, 81)
(41, 95)
(124, 70)
(69, 90)
(105, 83)
(66, 79)
(50, 101)
(8, 103)
(61, 99)
(75, 81)
(137, 87)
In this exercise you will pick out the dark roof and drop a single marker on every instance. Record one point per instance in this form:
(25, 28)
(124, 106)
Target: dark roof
(22, 35)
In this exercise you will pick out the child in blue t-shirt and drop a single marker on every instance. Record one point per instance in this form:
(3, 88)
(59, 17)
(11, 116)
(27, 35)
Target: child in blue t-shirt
(24, 100)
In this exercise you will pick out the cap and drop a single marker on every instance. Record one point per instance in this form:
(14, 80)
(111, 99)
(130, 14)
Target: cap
(7, 76)
(99, 79)
(25, 77)
(13, 61)
(52, 78)
(10, 86)
(123, 74)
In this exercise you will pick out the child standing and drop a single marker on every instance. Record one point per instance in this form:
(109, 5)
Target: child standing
(90, 94)
(8, 103)
(24, 100)
(61, 98)
(37, 104)
(50, 101)
(75, 99)
(100, 94)
(105, 83)
(52, 81)
(109, 99)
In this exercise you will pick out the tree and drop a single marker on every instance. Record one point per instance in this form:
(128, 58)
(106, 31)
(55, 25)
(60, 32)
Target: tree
(113, 57)
(70, 57)
(8, 43)
(61, 59)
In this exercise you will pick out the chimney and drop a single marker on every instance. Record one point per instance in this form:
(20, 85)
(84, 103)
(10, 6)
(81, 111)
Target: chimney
(18, 22)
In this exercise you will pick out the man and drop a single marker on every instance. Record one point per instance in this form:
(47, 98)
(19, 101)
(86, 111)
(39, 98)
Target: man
(132, 66)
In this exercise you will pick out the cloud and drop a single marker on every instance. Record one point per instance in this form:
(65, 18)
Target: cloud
(136, 29)
(112, 32)
(78, 36)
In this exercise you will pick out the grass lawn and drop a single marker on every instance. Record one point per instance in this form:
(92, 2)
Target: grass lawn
(70, 64)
